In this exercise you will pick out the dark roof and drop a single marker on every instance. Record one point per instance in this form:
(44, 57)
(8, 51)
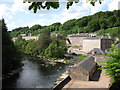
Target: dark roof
(80, 35)
(97, 37)
(96, 50)
(118, 45)
(88, 63)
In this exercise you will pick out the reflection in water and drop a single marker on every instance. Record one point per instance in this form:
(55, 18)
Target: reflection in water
(35, 74)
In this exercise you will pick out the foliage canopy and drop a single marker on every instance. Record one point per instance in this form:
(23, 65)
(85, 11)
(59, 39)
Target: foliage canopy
(93, 23)
(48, 4)
(10, 54)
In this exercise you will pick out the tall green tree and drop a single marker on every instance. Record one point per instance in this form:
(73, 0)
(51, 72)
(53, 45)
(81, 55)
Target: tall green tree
(43, 41)
(56, 49)
(82, 22)
(31, 48)
(20, 43)
(93, 25)
(111, 21)
(10, 54)
(102, 23)
(115, 34)
(68, 25)
(35, 27)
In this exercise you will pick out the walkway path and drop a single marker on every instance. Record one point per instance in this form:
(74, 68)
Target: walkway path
(99, 80)
(102, 83)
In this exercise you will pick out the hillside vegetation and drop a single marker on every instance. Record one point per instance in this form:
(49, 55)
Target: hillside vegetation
(98, 21)
(114, 33)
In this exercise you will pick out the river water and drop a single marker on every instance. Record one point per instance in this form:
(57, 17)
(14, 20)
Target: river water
(35, 74)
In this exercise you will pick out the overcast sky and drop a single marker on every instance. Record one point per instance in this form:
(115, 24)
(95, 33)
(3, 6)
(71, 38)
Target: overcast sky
(16, 13)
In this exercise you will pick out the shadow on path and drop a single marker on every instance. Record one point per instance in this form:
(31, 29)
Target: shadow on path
(96, 75)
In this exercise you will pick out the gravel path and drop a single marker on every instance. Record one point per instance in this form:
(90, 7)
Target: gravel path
(99, 80)
(103, 82)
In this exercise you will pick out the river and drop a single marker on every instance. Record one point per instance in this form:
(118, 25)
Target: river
(35, 74)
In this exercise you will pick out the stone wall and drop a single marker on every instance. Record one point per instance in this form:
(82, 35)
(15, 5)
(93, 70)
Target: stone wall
(76, 41)
(31, 37)
(89, 44)
(84, 70)
(105, 44)
(78, 73)
(27, 38)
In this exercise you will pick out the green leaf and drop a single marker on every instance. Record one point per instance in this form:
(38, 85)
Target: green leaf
(35, 9)
(76, 1)
(69, 4)
(48, 7)
(30, 7)
(117, 70)
(100, 1)
(93, 3)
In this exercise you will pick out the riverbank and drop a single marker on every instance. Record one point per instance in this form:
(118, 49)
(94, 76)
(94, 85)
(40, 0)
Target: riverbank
(61, 78)
(12, 72)
(103, 82)
(68, 59)
(64, 78)
(62, 81)
(35, 75)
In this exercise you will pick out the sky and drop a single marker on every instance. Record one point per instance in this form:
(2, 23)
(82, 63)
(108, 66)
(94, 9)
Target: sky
(16, 13)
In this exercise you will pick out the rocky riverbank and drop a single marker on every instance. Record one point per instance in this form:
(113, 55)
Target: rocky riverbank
(61, 78)
(12, 73)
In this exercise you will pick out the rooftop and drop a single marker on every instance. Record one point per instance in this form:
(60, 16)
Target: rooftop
(88, 63)
(96, 50)
(118, 45)
(80, 35)
(97, 37)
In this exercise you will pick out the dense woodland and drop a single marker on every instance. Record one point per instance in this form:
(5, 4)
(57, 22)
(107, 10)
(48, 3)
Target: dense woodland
(47, 45)
(12, 52)
(98, 21)
(113, 33)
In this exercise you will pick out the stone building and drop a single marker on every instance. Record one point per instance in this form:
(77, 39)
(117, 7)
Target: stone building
(96, 51)
(92, 34)
(27, 38)
(84, 70)
(31, 37)
(99, 42)
(76, 39)
(23, 35)
(117, 45)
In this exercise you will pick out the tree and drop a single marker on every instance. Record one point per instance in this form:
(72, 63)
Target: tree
(113, 64)
(43, 41)
(68, 25)
(117, 24)
(93, 25)
(35, 27)
(20, 43)
(82, 22)
(20, 30)
(115, 34)
(31, 47)
(46, 4)
(10, 55)
(111, 21)
(56, 49)
(103, 24)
